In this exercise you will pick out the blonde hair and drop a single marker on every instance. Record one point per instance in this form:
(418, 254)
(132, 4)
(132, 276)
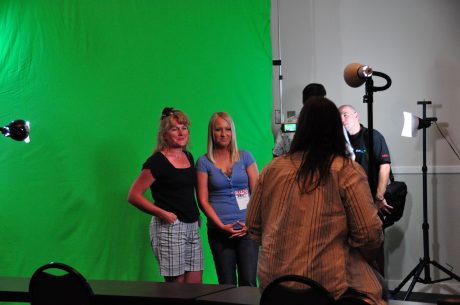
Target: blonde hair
(166, 122)
(234, 152)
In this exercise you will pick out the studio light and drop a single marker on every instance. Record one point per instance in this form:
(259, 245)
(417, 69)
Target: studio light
(413, 123)
(17, 130)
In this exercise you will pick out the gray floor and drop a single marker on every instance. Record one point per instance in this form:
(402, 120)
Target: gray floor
(426, 297)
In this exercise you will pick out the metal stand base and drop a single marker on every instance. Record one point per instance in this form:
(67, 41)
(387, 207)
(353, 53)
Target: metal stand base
(417, 271)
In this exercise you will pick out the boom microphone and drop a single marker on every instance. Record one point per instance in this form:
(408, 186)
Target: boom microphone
(355, 74)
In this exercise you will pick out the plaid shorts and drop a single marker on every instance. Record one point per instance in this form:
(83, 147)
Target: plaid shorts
(177, 246)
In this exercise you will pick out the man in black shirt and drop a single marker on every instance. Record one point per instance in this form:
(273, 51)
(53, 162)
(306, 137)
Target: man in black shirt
(358, 135)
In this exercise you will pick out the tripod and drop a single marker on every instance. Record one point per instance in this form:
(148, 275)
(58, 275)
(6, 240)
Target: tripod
(425, 262)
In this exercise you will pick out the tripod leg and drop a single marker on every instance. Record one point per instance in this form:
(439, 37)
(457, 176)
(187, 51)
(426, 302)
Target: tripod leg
(421, 265)
(401, 285)
(448, 272)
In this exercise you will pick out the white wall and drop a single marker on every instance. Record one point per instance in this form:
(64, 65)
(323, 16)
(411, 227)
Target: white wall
(417, 43)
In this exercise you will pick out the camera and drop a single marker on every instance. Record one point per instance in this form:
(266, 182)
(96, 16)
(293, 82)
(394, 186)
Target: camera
(288, 127)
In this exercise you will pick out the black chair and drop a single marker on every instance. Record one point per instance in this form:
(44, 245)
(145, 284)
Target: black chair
(67, 287)
(305, 291)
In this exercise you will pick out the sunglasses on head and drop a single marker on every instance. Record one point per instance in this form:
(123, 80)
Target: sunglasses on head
(167, 111)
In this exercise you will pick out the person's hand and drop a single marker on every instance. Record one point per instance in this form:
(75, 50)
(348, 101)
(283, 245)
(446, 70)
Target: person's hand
(168, 217)
(240, 231)
(235, 229)
(383, 206)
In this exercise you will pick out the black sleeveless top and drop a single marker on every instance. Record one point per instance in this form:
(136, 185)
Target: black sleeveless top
(174, 188)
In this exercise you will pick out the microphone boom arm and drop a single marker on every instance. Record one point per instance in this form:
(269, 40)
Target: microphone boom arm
(384, 76)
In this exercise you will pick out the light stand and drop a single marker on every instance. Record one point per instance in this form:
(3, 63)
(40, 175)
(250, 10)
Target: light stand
(368, 99)
(425, 262)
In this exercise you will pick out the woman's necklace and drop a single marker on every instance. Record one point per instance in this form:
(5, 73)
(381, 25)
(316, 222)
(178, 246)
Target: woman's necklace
(177, 158)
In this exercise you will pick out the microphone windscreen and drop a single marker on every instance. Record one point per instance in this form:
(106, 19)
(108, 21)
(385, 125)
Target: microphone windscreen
(352, 76)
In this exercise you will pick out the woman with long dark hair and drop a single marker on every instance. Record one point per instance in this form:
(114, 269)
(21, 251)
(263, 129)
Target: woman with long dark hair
(313, 213)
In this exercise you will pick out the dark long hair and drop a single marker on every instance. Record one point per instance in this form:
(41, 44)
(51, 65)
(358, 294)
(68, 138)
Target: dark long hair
(319, 137)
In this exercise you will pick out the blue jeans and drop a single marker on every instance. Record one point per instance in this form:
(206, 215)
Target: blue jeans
(232, 255)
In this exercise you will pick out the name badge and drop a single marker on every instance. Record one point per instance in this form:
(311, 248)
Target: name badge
(242, 198)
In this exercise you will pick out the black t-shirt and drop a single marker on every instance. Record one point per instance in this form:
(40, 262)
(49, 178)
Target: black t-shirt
(381, 152)
(174, 188)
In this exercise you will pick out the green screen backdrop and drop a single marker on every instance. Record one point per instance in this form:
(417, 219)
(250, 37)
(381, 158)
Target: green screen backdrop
(92, 78)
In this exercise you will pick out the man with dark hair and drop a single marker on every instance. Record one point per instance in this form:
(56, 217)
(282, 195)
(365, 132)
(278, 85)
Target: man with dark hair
(311, 90)
(284, 139)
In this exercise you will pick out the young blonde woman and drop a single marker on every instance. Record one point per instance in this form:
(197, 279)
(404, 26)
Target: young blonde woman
(170, 175)
(226, 178)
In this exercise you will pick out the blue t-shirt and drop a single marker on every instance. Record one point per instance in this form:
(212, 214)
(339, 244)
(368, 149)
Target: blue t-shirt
(222, 188)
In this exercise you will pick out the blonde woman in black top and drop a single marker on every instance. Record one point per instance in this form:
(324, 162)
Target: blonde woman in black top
(170, 175)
